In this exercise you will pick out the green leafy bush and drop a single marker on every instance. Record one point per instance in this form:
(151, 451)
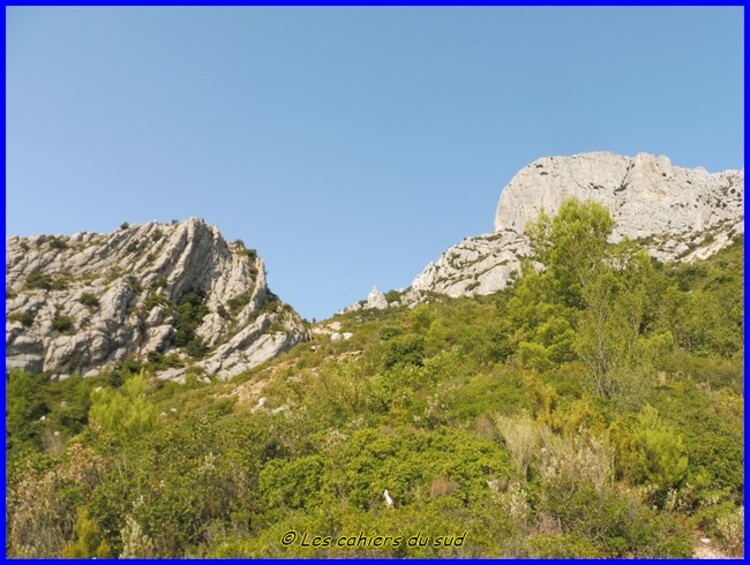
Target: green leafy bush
(561, 546)
(124, 413)
(25, 318)
(236, 303)
(188, 313)
(39, 280)
(653, 454)
(251, 254)
(295, 483)
(615, 521)
(154, 299)
(57, 243)
(393, 296)
(730, 527)
(158, 361)
(88, 542)
(89, 299)
(63, 323)
(407, 349)
(389, 332)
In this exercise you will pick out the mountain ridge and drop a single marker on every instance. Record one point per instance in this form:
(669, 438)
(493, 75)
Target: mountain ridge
(127, 296)
(76, 303)
(677, 213)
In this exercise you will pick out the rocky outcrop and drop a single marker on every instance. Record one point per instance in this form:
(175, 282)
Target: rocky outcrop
(376, 299)
(677, 213)
(177, 294)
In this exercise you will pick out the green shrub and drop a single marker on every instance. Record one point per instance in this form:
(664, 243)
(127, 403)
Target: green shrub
(408, 462)
(534, 356)
(58, 243)
(393, 296)
(615, 520)
(251, 254)
(154, 299)
(189, 479)
(730, 527)
(89, 299)
(236, 303)
(389, 332)
(62, 323)
(653, 454)
(88, 541)
(272, 304)
(122, 371)
(158, 361)
(125, 413)
(25, 318)
(720, 454)
(196, 348)
(188, 313)
(39, 280)
(561, 546)
(292, 484)
(406, 349)
(24, 405)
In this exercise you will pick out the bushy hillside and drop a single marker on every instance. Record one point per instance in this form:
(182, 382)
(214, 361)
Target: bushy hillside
(592, 409)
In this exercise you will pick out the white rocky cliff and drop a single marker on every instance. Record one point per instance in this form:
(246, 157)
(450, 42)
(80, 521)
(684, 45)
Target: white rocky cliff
(176, 294)
(679, 214)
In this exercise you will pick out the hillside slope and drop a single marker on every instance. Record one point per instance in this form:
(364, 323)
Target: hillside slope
(484, 418)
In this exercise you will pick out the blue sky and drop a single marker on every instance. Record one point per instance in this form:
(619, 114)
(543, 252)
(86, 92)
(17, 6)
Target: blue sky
(350, 146)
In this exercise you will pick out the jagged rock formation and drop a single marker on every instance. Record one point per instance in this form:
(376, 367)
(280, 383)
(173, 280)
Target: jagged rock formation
(376, 299)
(679, 214)
(176, 294)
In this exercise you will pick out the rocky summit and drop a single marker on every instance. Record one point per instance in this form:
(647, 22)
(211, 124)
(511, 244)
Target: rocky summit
(677, 213)
(177, 295)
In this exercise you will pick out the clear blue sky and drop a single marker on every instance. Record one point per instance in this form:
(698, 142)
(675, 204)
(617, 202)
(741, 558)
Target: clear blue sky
(350, 146)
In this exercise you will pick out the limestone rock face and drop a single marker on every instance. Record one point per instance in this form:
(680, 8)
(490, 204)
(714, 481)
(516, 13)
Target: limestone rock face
(647, 195)
(679, 214)
(376, 299)
(477, 265)
(77, 303)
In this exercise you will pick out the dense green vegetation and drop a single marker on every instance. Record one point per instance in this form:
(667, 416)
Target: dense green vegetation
(594, 409)
(187, 312)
